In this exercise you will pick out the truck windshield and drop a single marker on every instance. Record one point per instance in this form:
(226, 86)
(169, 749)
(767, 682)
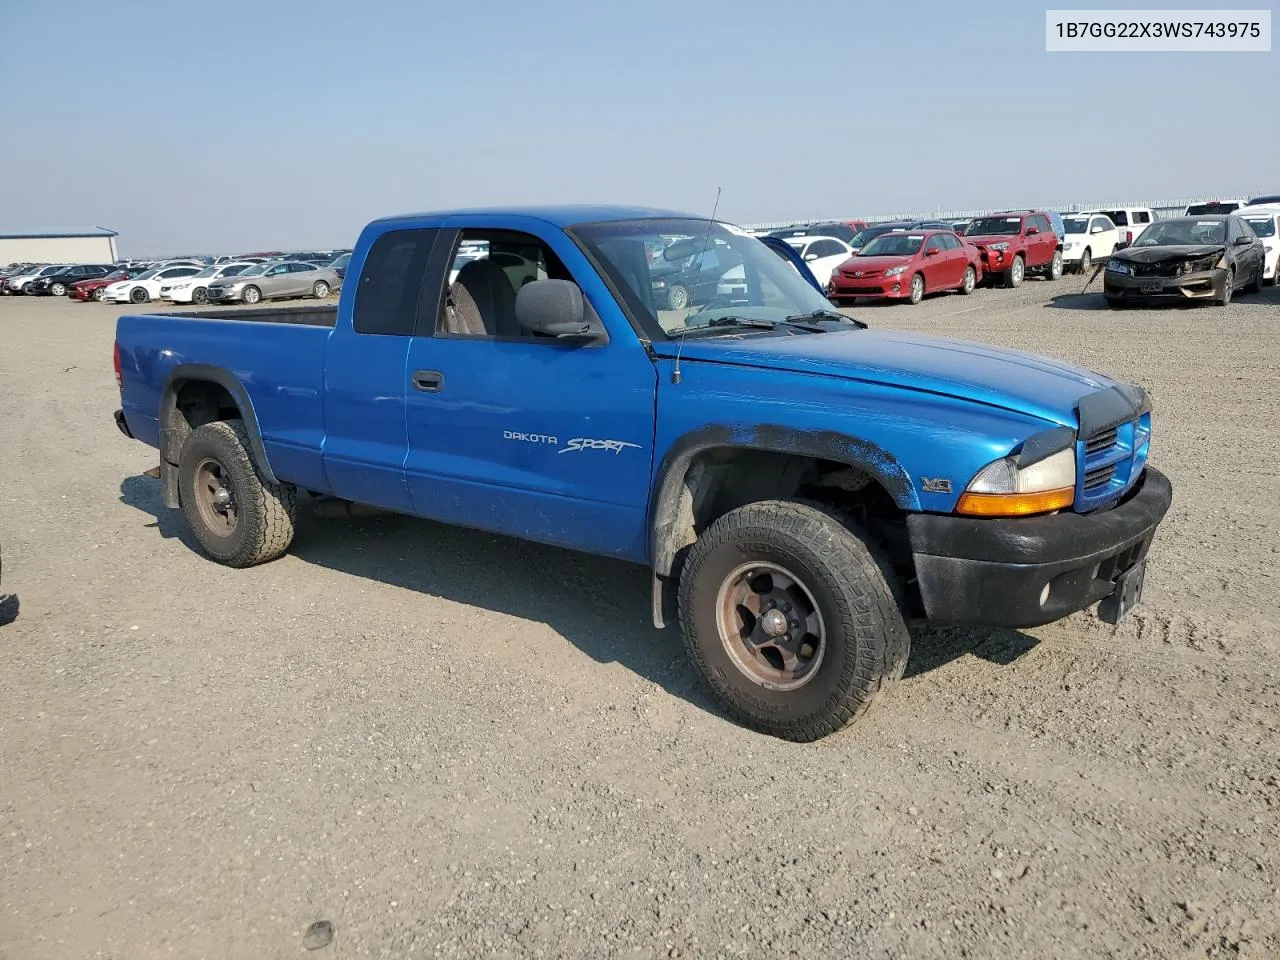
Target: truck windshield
(704, 273)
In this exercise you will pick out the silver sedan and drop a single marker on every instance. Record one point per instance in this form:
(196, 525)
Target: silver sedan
(275, 281)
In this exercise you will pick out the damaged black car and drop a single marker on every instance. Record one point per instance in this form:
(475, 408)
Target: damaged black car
(1186, 258)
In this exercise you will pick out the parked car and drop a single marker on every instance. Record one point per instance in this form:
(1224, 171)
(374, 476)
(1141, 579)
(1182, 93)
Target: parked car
(1129, 221)
(1211, 207)
(1015, 243)
(1265, 223)
(15, 270)
(690, 280)
(822, 254)
(799, 486)
(56, 284)
(906, 266)
(866, 235)
(1089, 237)
(21, 283)
(145, 287)
(195, 288)
(85, 290)
(339, 266)
(842, 230)
(274, 281)
(1187, 258)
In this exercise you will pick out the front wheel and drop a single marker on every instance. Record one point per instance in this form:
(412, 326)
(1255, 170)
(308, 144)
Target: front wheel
(100, 294)
(320, 290)
(1017, 270)
(252, 294)
(789, 614)
(1228, 288)
(678, 297)
(238, 517)
(58, 289)
(139, 295)
(1054, 270)
(969, 282)
(917, 289)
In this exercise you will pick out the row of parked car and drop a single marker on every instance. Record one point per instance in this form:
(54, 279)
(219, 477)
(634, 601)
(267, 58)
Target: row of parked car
(906, 260)
(248, 279)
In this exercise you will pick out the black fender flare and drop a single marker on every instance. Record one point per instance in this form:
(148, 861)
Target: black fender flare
(171, 437)
(670, 510)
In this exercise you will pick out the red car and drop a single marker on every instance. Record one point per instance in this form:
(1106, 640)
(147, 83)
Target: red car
(92, 289)
(1015, 243)
(905, 265)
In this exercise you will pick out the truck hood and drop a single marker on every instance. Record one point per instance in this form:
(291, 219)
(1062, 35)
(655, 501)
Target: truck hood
(1009, 379)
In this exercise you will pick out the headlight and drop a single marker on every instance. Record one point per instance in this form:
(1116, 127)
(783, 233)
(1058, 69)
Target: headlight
(180, 286)
(1001, 246)
(1001, 489)
(894, 271)
(1118, 266)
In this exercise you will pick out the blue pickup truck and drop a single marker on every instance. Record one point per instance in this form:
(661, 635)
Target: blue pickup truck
(802, 487)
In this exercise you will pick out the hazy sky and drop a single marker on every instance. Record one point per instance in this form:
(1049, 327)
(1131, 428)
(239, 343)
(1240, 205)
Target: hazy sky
(235, 125)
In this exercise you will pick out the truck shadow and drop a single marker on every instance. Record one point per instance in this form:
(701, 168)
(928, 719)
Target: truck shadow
(601, 606)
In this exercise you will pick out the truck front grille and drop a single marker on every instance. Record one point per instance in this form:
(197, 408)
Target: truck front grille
(1110, 462)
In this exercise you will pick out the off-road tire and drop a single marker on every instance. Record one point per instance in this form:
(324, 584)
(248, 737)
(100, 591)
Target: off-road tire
(866, 639)
(265, 511)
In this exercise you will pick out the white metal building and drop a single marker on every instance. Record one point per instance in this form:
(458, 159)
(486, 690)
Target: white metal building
(76, 245)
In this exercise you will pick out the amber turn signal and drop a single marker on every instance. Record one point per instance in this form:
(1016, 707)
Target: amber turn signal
(1015, 504)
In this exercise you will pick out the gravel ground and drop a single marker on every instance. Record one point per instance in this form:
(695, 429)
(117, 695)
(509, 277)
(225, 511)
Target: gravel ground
(452, 744)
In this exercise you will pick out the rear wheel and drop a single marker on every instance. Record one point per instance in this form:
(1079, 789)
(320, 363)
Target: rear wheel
(1017, 271)
(252, 294)
(678, 297)
(789, 615)
(969, 282)
(917, 289)
(238, 517)
(1086, 261)
(1054, 270)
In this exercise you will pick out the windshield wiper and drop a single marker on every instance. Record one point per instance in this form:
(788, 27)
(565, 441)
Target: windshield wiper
(724, 324)
(824, 315)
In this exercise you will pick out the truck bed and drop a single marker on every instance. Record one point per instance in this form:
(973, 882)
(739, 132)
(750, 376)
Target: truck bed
(318, 316)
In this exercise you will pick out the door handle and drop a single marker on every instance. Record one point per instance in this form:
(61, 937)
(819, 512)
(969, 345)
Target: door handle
(428, 381)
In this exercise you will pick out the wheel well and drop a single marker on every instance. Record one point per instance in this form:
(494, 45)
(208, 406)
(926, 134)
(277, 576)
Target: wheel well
(723, 479)
(191, 404)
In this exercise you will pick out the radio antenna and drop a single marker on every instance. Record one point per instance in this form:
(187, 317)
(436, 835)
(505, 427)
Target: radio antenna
(706, 242)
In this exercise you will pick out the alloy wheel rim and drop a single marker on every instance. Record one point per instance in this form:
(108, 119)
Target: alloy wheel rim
(770, 626)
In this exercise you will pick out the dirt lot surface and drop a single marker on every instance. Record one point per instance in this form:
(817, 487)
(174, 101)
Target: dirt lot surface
(451, 744)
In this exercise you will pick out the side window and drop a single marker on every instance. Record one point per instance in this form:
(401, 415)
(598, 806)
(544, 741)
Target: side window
(1141, 216)
(1042, 223)
(300, 268)
(481, 301)
(1121, 218)
(950, 241)
(391, 282)
(933, 242)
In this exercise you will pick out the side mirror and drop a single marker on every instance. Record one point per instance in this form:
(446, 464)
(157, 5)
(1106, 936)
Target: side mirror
(1098, 230)
(556, 308)
(1032, 231)
(810, 257)
(932, 252)
(1242, 241)
(1121, 244)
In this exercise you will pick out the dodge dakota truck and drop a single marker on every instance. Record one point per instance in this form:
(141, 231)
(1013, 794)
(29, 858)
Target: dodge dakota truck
(802, 487)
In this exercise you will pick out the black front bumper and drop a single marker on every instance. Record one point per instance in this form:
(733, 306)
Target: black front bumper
(992, 572)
